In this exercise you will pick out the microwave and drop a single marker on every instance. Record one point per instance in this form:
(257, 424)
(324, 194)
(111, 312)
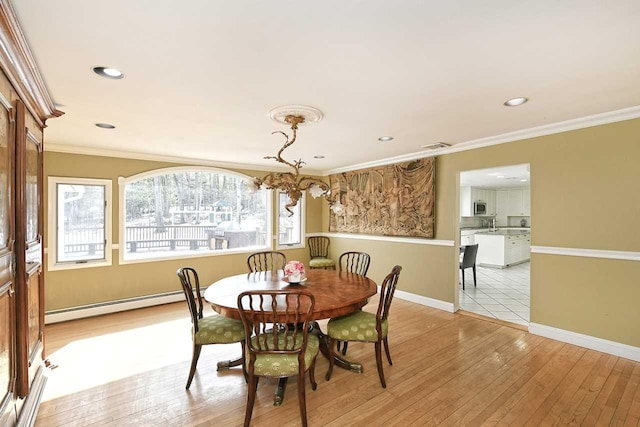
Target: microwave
(479, 208)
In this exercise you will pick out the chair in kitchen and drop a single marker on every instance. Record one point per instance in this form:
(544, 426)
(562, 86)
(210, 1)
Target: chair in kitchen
(469, 261)
(286, 351)
(355, 262)
(319, 252)
(366, 327)
(266, 261)
(214, 329)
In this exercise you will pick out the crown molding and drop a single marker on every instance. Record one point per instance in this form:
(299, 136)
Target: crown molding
(133, 155)
(559, 127)
(20, 67)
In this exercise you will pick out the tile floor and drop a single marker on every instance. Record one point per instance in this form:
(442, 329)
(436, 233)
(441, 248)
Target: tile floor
(501, 293)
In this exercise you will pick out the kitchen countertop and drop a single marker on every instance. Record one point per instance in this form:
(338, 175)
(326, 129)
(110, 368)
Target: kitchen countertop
(500, 232)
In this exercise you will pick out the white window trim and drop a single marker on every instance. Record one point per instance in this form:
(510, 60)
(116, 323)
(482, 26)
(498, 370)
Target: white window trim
(303, 220)
(122, 247)
(52, 242)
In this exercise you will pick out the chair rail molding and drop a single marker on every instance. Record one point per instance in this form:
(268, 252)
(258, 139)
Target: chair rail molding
(412, 240)
(588, 253)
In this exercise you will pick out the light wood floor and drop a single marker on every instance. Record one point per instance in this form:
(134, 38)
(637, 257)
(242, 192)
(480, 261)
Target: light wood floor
(130, 369)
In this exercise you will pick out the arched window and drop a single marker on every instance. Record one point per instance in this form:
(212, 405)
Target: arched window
(191, 211)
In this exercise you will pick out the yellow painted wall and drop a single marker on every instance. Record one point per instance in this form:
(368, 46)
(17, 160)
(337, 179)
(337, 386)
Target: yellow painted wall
(584, 194)
(72, 288)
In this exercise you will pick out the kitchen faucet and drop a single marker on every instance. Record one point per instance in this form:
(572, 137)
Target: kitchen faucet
(493, 224)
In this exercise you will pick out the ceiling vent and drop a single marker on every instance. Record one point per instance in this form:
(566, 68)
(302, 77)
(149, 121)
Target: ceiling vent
(436, 145)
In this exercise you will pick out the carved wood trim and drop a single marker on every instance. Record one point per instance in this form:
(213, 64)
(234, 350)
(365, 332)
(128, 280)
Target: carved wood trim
(21, 69)
(22, 304)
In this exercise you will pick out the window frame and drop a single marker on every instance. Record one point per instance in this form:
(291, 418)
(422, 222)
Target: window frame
(122, 247)
(52, 235)
(303, 219)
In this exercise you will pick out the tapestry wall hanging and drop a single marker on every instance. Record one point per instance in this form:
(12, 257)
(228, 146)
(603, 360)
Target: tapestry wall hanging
(390, 200)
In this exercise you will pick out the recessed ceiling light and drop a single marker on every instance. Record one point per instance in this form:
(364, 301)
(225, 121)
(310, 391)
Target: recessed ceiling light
(523, 180)
(514, 102)
(500, 176)
(385, 138)
(105, 125)
(108, 72)
(318, 157)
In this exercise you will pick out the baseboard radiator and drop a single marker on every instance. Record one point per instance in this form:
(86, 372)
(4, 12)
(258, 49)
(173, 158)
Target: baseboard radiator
(90, 310)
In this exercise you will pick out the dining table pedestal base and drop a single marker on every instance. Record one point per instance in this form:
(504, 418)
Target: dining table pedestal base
(226, 364)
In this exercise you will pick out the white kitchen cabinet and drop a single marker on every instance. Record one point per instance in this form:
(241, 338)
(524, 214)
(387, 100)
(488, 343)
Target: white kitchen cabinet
(502, 205)
(519, 202)
(467, 240)
(466, 204)
(470, 195)
(526, 201)
(497, 250)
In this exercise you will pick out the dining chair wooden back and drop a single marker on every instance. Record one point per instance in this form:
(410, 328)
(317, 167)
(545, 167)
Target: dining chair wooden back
(266, 261)
(280, 344)
(355, 262)
(363, 326)
(319, 253)
(469, 261)
(214, 329)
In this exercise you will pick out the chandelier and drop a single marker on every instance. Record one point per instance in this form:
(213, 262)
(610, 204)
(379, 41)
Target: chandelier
(291, 182)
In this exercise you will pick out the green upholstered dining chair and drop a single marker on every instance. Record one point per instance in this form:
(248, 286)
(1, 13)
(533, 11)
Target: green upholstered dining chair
(266, 261)
(319, 252)
(366, 327)
(355, 262)
(214, 329)
(283, 351)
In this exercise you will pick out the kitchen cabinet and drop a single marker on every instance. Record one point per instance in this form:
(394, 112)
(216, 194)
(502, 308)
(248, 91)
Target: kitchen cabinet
(503, 250)
(470, 195)
(24, 107)
(519, 202)
(502, 205)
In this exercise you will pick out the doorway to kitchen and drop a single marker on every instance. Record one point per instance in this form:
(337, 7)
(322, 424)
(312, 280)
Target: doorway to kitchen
(495, 215)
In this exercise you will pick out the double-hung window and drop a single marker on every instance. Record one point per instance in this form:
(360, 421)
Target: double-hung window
(79, 223)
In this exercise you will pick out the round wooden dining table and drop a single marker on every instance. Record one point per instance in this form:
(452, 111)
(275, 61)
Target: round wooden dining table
(336, 293)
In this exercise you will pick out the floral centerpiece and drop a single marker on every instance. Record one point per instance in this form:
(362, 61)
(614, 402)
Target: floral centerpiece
(294, 271)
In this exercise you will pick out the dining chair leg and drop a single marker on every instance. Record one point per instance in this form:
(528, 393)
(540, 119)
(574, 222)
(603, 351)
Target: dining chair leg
(330, 370)
(345, 344)
(302, 397)
(475, 284)
(244, 362)
(312, 374)
(379, 363)
(386, 350)
(251, 398)
(194, 361)
(462, 269)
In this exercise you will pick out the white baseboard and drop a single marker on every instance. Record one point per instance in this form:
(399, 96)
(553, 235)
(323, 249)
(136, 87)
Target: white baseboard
(80, 312)
(429, 302)
(587, 341)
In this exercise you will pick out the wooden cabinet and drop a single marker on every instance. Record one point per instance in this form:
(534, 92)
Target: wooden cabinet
(24, 108)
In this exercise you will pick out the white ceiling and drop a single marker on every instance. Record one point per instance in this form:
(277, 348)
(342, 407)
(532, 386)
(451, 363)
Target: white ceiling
(202, 75)
(494, 178)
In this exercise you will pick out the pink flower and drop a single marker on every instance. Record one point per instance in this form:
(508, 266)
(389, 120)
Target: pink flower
(294, 268)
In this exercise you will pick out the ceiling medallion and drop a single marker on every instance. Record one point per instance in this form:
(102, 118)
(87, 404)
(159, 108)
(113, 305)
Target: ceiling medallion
(291, 182)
